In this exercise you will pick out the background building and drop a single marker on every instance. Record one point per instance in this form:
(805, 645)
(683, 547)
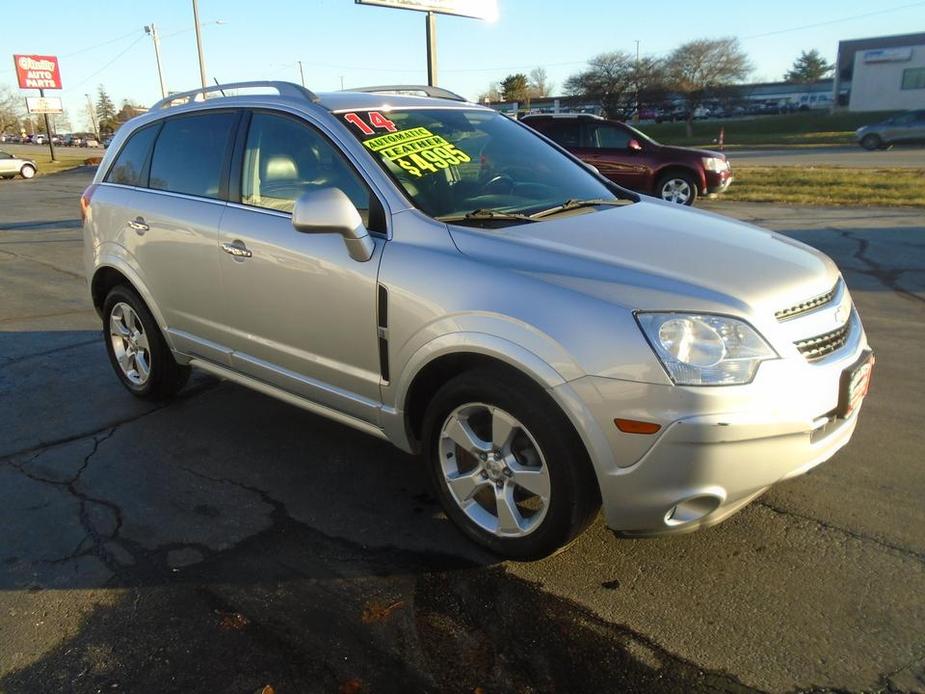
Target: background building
(881, 74)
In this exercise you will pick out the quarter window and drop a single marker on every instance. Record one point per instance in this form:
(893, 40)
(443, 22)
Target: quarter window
(285, 158)
(914, 78)
(129, 167)
(190, 154)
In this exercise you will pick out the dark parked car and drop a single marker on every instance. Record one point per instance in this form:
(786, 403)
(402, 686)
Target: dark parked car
(904, 128)
(630, 158)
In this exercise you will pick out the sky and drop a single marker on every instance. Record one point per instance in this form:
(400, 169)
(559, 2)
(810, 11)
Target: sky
(103, 42)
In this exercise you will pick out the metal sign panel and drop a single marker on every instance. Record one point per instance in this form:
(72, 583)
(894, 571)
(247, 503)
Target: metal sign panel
(478, 9)
(888, 55)
(37, 71)
(44, 104)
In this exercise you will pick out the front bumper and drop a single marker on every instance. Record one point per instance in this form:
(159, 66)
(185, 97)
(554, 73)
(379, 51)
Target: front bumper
(718, 182)
(718, 447)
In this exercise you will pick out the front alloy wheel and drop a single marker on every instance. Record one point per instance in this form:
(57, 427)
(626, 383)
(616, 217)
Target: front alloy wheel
(494, 470)
(678, 190)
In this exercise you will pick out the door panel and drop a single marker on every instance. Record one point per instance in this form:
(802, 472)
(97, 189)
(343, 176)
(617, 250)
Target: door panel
(302, 313)
(177, 256)
(618, 163)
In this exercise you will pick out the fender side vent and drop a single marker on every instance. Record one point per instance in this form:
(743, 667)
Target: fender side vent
(382, 319)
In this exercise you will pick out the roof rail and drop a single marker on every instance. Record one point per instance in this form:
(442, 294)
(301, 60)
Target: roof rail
(282, 88)
(410, 89)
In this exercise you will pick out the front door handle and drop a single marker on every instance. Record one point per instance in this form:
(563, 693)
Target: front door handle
(237, 249)
(139, 225)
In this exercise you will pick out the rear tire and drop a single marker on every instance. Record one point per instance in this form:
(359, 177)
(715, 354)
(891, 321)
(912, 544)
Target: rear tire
(871, 142)
(521, 437)
(27, 171)
(137, 350)
(678, 188)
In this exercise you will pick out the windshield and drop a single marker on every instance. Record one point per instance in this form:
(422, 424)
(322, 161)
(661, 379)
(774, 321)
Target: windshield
(451, 162)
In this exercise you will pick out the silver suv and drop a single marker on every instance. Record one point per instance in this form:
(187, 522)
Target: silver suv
(435, 274)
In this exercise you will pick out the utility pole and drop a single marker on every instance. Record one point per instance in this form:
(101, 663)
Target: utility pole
(636, 117)
(152, 31)
(431, 31)
(202, 60)
(342, 83)
(51, 147)
(96, 127)
(301, 74)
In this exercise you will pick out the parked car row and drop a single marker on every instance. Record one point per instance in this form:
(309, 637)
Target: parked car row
(63, 140)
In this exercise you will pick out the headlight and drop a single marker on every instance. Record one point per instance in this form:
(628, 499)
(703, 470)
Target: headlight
(702, 349)
(715, 164)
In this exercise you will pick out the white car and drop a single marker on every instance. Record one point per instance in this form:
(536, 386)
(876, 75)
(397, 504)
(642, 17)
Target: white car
(11, 166)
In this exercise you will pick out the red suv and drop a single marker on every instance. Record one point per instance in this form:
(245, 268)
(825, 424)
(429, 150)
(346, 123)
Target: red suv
(634, 160)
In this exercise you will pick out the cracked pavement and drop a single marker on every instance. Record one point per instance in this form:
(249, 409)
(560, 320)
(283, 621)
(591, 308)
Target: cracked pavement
(225, 541)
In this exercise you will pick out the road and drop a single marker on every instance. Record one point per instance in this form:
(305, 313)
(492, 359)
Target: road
(901, 157)
(225, 541)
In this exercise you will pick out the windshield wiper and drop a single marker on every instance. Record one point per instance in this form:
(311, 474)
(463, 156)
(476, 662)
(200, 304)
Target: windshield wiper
(574, 204)
(486, 213)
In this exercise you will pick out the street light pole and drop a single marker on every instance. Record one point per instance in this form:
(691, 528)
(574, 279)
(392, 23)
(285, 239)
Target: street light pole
(202, 60)
(431, 49)
(152, 31)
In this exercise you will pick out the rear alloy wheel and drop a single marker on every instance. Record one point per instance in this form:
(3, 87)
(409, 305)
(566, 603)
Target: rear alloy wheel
(508, 467)
(137, 351)
(27, 171)
(871, 142)
(677, 188)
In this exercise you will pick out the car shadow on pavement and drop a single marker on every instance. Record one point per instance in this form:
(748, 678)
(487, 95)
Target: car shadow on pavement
(225, 541)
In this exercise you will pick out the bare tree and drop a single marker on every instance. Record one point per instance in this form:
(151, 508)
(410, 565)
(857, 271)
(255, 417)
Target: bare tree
(491, 94)
(11, 110)
(539, 82)
(608, 80)
(696, 67)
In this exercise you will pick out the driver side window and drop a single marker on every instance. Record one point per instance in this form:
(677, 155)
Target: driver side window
(284, 158)
(608, 137)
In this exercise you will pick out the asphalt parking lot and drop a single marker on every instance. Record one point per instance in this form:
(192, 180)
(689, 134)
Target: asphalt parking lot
(225, 541)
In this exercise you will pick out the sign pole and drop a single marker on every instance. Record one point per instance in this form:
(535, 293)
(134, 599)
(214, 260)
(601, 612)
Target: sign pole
(431, 30)
(51, 147)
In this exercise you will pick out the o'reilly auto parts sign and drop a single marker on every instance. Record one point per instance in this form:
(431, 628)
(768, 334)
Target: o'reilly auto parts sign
(37, 71)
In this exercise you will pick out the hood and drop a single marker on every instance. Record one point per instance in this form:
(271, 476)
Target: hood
(690, 152)
(652, 255)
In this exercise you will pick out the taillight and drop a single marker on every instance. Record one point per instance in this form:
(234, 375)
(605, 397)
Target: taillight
(85, 202)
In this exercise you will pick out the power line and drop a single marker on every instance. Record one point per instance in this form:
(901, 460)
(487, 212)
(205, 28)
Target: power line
(119, 55)
(833, 21)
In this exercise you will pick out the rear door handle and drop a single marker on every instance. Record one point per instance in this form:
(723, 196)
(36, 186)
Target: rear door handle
(237, 249)
(139, 225)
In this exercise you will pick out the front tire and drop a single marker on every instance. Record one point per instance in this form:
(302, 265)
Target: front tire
(27, 171)
(137, 350)
(678, 188)
(507, 465)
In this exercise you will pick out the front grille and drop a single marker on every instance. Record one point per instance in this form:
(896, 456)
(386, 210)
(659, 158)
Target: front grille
(814, 348)
(807, 306)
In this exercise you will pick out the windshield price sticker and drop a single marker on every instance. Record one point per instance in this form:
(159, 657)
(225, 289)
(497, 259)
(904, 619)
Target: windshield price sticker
(417, 151)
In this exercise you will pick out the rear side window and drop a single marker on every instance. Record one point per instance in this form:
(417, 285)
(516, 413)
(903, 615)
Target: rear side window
(190, 154)
(129, 167)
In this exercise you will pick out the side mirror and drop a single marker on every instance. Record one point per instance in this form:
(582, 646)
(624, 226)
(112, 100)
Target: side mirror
(634, 145)
(329, 211)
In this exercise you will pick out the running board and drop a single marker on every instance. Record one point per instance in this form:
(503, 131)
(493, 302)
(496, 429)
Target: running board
(287, 397)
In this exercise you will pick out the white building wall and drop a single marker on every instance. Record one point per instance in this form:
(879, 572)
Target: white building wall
(876, 84)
